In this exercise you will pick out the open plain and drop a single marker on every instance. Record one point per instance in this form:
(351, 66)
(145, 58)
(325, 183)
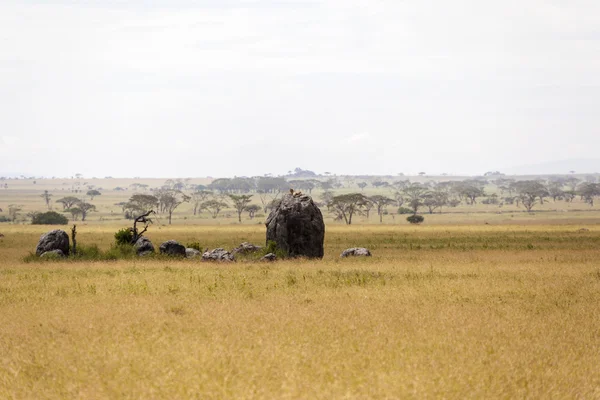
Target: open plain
(471, 311)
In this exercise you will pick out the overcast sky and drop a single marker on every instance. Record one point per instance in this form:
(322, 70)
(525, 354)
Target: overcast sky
(246, 87)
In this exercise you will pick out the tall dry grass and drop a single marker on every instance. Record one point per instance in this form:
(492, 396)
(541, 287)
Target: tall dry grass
(451, 312)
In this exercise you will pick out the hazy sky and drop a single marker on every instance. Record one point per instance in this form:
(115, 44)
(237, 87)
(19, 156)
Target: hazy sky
(245, 87)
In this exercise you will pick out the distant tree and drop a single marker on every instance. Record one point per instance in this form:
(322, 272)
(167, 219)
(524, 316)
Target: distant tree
(415, 196)
(588, 191)
(75, 213)
(362, 185)
(239, 203)
(421, 173)
(198, 198)
(214, 207)
(346, 205)
(529, 191)
(470, 190)
(252, 209)
(68, 202)
(13, 211)
(85, 209)
(380, 202)
(46, 196)
(171, 199)
(93, 193)
(143, 202)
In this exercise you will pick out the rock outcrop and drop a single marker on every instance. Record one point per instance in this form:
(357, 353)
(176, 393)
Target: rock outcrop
(269, 257)
(356, 252)
(297, 227)
(192, 253)
(246, 248)
(53, 240)
(143, 246)
(172, 248)
(218, 255)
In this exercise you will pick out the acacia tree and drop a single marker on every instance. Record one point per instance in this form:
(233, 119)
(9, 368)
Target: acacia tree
(93, 193)
(198, 198)
(214, 207)
(251, 210)
(75, 213)
(362, 185)
(380, 202)
(414, 194)
(46, 196)
(240, 202)
(85, 208)
(68, 202)
(171, 199)
(346, 205)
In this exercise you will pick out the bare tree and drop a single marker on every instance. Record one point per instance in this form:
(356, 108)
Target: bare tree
(46, 196)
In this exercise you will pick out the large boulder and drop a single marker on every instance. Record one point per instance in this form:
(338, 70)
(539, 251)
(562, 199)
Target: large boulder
(172, 248)
(246, 248)
(143, 246)
(218, 255)
(356, 252)
(297, 227)
(53, 240)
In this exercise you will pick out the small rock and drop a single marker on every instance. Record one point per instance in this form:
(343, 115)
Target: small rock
(53, 254)
(1, 235)
(53, 240)
(246, 248)
(143, 246)
(269, 257)
(218, 255)
(356, 251)
(172, 248)
(192, 253)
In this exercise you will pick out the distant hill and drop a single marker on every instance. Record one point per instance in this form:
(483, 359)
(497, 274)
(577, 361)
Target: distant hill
(580, 166)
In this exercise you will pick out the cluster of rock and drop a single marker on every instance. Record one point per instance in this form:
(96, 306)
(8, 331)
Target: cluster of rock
(296, 226)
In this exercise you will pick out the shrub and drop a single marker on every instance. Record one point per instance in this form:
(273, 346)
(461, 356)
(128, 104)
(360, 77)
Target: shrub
(404, 210)
(194, 245)
(49, 218)
(123, 236)
(4, 218)
(272, 248)
(415, 219)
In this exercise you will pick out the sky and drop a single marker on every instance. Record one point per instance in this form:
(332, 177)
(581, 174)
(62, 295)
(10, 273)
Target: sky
(186, 88)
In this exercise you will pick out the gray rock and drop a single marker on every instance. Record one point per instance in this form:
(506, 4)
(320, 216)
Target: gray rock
(218, 255)
(172, 248)
(53, 240)
(143, 246)
(53, 254)
(246, 248)
(269, 257)
(297, 227)
(192, 253)
(356, 251)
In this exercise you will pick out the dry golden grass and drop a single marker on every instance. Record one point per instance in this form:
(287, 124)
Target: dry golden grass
(450, 312)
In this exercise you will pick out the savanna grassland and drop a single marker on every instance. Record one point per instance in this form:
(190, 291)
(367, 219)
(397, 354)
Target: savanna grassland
(439, 311)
